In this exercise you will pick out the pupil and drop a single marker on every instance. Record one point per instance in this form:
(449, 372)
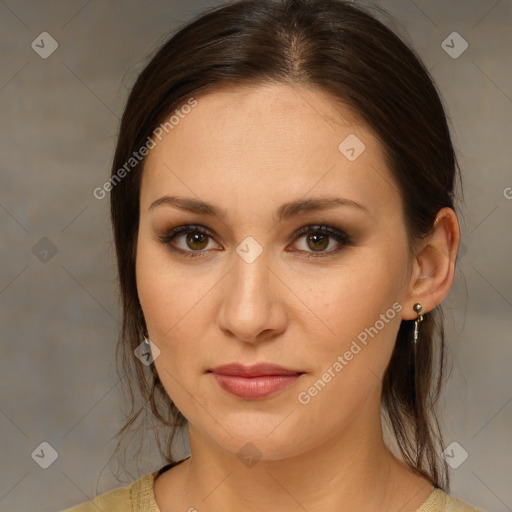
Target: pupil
(315, 239)
(196, 239)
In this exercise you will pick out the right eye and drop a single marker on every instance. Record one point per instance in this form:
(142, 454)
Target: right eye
(194, 239)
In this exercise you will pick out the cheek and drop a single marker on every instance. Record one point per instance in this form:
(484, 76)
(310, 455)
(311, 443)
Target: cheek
(165, 293)
(167, 299)
(352, 298)
(175, 305)
(362, 308)
(361, 304)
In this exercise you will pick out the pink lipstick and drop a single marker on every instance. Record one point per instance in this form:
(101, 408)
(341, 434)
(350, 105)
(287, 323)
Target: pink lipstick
(254, 382)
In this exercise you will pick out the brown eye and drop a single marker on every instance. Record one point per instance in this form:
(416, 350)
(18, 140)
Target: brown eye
(187, 240)
(317, 242)
(197, 241)
(319, 238)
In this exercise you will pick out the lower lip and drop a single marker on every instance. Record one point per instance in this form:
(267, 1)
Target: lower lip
(255, 387)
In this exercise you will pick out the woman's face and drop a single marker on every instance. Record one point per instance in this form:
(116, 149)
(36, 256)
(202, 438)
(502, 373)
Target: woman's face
(249, 288)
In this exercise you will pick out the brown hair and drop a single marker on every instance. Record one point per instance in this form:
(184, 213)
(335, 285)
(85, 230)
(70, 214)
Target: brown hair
(345, 51)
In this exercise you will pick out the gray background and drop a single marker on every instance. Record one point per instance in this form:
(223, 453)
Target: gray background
(59, 312)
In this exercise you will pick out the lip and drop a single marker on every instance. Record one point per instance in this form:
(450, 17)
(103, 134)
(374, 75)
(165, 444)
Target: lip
(254, 382)
(256, 370)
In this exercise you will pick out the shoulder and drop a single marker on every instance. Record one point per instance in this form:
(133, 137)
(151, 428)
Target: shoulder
(440, 501)
(454, 504)
(138, 496)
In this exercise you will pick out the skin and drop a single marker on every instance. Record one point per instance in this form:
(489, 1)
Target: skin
(248, 151)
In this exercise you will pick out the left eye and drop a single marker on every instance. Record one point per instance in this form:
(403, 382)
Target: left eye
(318, 238)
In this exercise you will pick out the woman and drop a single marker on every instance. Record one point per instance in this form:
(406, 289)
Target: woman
(282, 198)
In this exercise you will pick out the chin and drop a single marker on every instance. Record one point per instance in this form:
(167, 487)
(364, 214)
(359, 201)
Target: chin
(258, 440)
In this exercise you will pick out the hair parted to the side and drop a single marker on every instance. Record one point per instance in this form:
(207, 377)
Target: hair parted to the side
(339, 48)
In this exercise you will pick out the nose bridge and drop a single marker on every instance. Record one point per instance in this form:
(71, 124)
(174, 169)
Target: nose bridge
(250, 282)
(249, 301)
(249, 279)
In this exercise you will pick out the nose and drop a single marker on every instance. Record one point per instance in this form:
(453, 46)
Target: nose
(252, 309)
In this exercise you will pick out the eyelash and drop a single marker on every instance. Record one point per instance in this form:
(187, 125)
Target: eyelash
(340, 236)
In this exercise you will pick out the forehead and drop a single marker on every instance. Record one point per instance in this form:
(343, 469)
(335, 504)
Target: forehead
(245, 116)
(268, 142)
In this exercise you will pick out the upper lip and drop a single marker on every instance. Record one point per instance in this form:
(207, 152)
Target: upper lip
(254, 370)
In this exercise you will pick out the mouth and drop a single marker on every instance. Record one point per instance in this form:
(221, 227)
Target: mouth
(254, 382)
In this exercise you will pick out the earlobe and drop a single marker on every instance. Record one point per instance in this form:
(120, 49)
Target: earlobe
(434, 265)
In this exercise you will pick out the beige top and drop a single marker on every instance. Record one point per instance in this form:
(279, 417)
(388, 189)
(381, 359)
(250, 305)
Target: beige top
(139, 497)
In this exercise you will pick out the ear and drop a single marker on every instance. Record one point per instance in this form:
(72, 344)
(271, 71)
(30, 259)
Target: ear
(433, 267)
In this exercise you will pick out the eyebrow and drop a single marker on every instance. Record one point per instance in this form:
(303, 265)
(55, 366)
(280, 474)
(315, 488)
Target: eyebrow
(285, 211)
